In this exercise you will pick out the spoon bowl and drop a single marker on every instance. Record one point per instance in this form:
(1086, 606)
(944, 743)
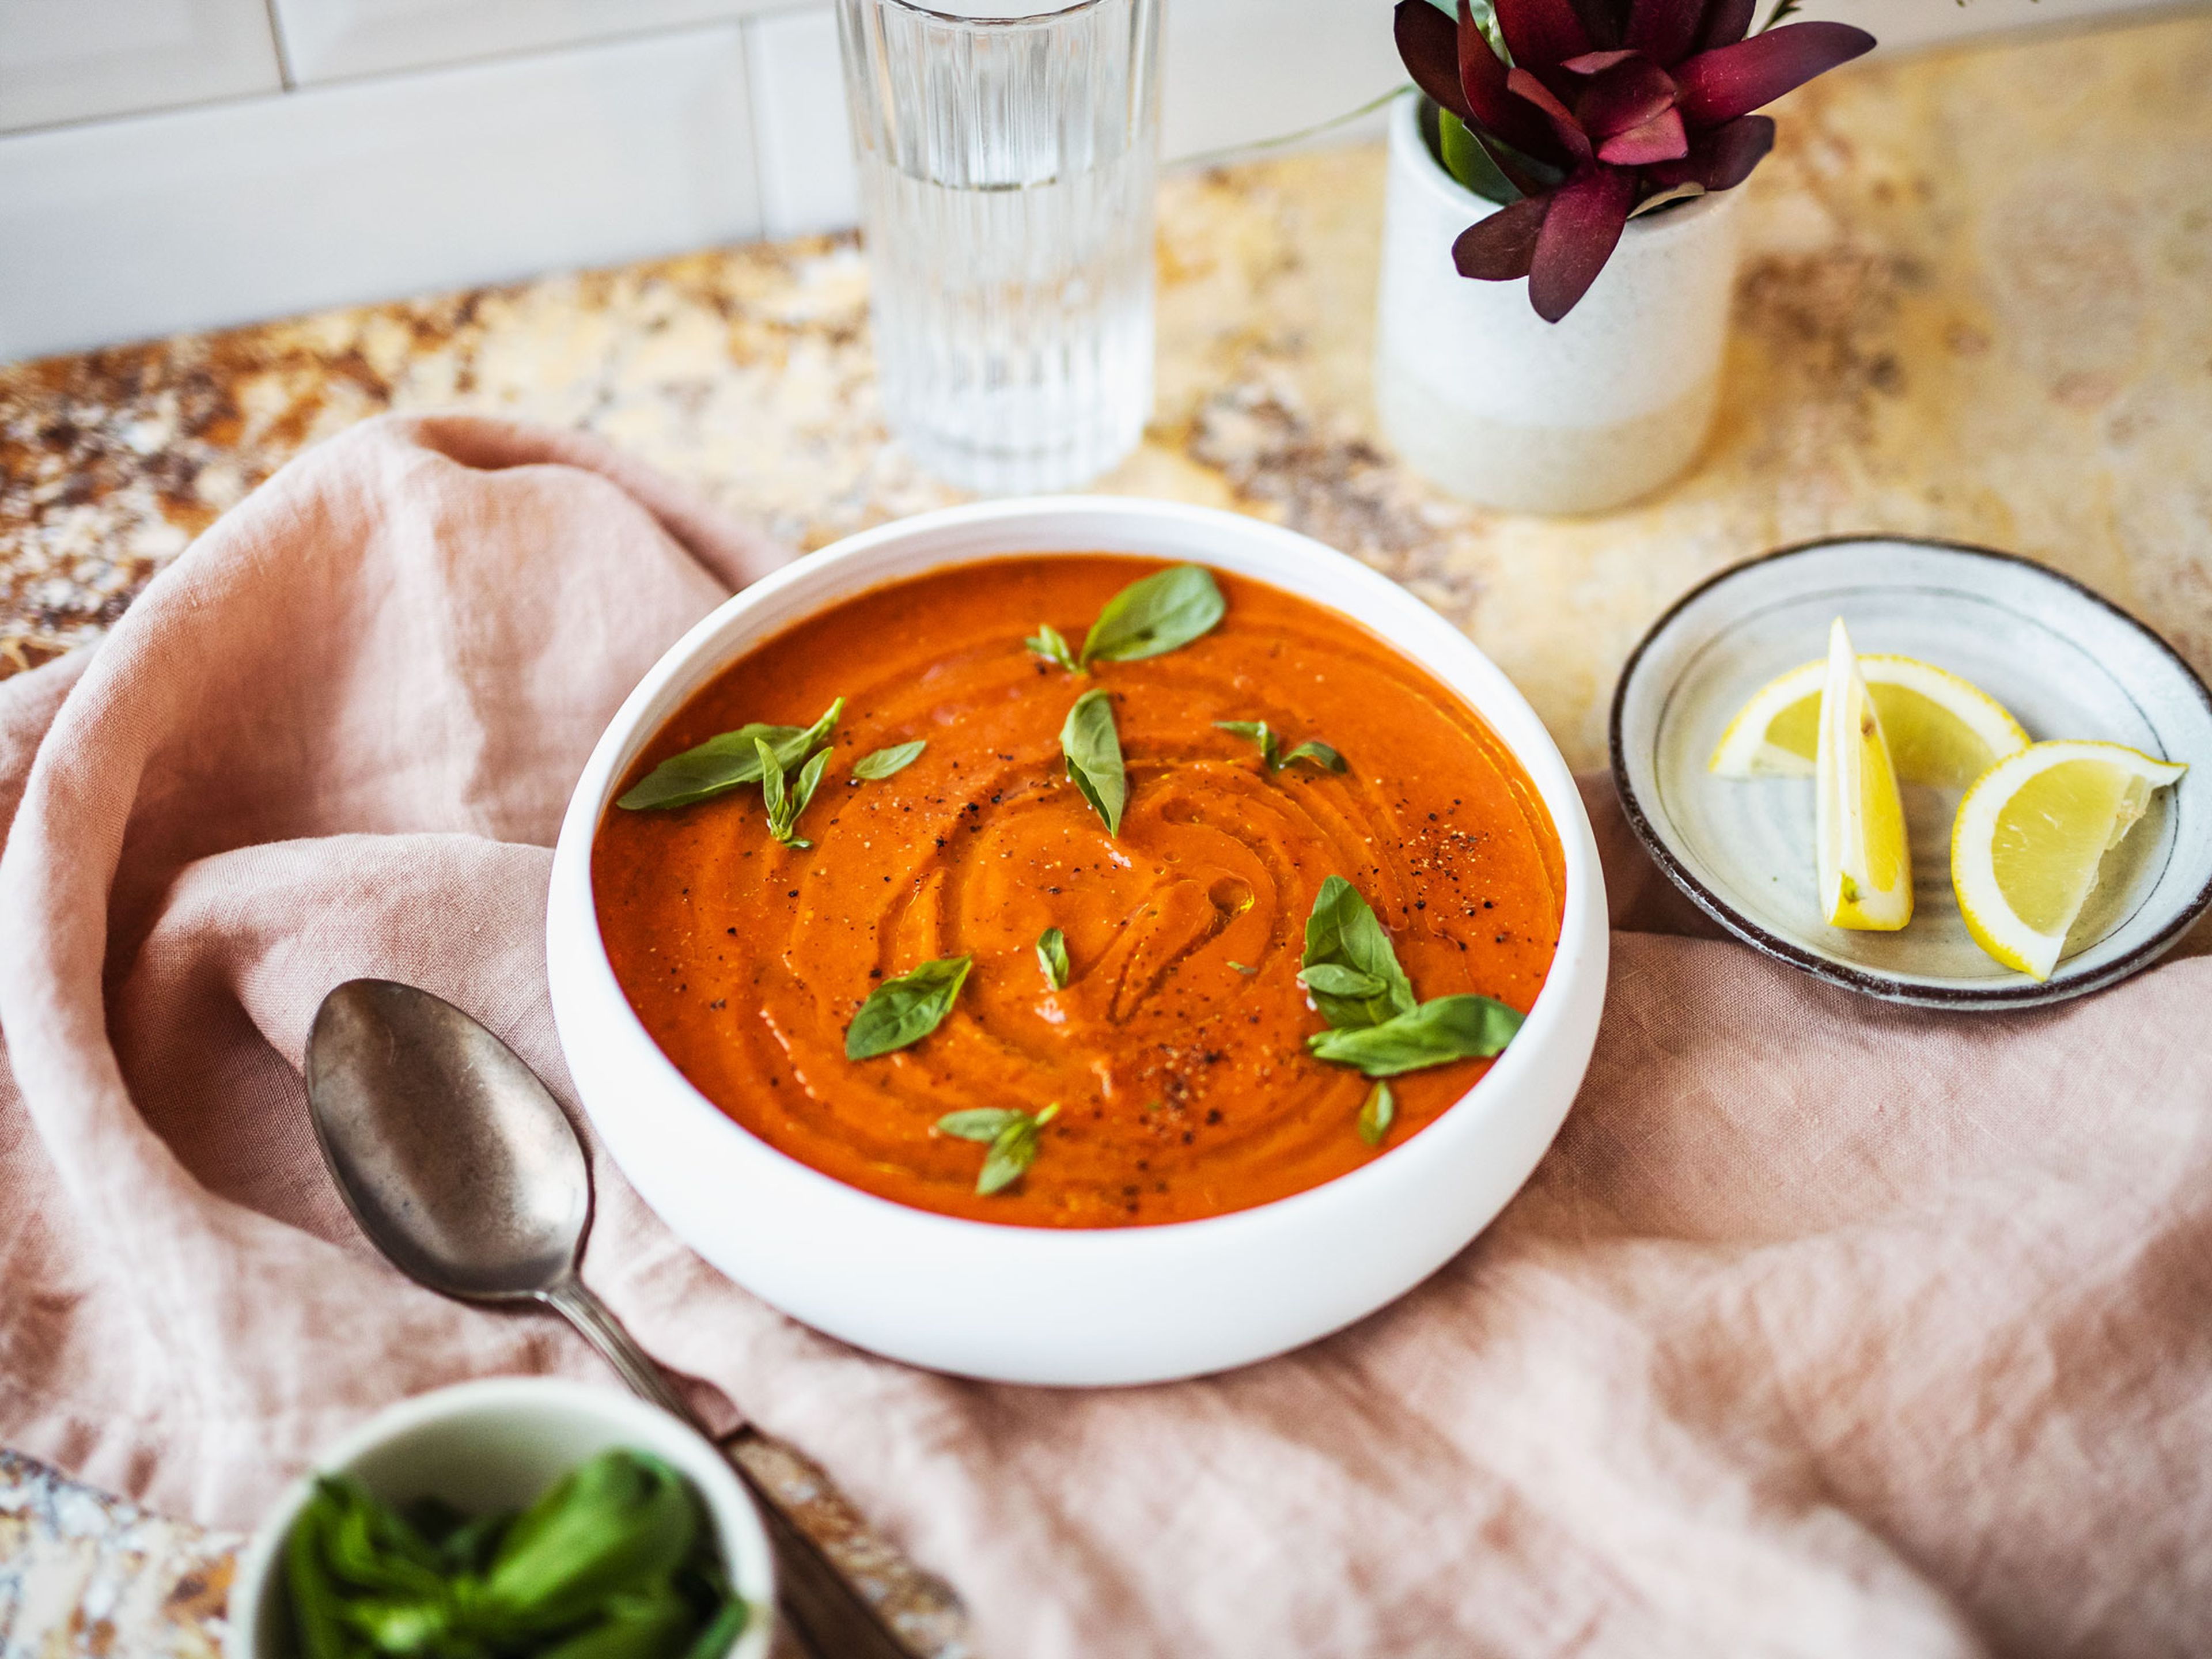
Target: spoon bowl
(457, 1161)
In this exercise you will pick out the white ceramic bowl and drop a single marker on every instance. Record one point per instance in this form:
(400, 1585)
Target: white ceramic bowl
(1108, 1305)
(494, 1445)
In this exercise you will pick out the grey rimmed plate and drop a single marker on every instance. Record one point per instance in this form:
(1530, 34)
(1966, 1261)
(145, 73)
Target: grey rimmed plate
(2065, 662)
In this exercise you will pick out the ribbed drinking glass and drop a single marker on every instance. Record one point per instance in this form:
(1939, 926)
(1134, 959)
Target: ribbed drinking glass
(1007, 171)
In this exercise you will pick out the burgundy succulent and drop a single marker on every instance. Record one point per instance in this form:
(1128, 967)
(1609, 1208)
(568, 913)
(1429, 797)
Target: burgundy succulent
(1601, 105)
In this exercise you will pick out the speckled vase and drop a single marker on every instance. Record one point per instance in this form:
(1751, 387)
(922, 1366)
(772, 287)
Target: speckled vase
(1485, 398)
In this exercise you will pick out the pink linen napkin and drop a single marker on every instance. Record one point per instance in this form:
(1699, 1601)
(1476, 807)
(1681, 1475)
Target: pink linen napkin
(1825, 1328)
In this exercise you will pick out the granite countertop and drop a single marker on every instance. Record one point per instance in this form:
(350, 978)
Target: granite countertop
(1976, 302)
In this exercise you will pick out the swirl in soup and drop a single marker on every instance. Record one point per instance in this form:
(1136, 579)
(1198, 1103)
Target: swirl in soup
(968, 978)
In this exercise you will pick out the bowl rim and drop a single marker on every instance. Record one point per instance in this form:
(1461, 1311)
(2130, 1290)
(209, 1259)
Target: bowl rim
(1889, 988)
(1584, 895)
(738, 1522)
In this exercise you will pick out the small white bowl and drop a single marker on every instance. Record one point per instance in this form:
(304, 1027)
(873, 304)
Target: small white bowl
(1094, 1306)
(495, 1445)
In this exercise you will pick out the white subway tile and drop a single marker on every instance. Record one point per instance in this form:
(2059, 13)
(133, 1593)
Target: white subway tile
(807, 180)
(1238, 70)
(1902, 24)
(335, 39)
(236, 212)
(75, 60)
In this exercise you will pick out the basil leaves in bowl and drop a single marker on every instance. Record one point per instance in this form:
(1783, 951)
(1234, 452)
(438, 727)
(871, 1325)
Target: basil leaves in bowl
(509, 1517)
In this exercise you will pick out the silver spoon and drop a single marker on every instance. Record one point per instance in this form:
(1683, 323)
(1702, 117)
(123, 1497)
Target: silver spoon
(465, 1171)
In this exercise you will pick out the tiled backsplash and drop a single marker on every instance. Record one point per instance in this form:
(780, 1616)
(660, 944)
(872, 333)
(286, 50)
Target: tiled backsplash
(172, 164)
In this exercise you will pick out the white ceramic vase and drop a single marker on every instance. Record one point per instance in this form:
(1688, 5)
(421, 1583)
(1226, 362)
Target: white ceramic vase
(1483, 396)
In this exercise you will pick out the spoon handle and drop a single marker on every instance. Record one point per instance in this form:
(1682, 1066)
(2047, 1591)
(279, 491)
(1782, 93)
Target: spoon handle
(828, 1615)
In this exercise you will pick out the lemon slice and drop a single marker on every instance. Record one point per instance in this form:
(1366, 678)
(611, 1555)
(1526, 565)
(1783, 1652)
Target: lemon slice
(2030, 836)
(1865, 867)
(1942, 729)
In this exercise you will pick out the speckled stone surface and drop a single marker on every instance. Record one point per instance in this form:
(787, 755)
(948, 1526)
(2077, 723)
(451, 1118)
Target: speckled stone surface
(1976, 302)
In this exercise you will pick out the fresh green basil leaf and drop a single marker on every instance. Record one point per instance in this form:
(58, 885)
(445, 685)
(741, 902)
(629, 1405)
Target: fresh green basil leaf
(772, 794)
(1050, 644)
(1343, 932)
(1377, 1114)
(784, 805)
(1092, 748)
(1256, 731)
(1052, 956)
(1439, 1032)
(984, 1123)
(1012, 1151)
(1163, 611)
(1316, 754)
(651, 1621)
(726, 763)
(884, 762)
(732, 1615)
(1338, 981)
(905, 1010)
(611, 1524)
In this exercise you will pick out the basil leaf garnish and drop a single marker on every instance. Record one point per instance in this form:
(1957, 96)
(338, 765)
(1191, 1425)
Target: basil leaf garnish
(1163, 611)
(1342, 982)
(884, 762)
(1093, 750)
(1241, 969)
(1259, 732)
(784, 805)
(1050, 644)
(1256, 731)
(906, 1009)
(1439, 1032)
(726, 761)
(1052, 956)
(1377, 1114)
(1012, 1136)
(984, 1123)
(1342, 932)
(1315, 754)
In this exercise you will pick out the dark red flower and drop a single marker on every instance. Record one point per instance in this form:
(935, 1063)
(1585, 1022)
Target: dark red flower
(1600, 105)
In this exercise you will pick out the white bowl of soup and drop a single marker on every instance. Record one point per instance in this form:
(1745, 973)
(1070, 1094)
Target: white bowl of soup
(1073, 1044)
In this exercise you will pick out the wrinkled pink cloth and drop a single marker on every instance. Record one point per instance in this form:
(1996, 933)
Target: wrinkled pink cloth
(1825, 1328)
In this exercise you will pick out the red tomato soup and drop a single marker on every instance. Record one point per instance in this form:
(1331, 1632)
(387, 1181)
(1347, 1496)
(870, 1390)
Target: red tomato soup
(1177, 1052)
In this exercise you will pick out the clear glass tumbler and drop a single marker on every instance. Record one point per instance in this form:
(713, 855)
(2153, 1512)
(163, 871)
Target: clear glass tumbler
(1006, 171)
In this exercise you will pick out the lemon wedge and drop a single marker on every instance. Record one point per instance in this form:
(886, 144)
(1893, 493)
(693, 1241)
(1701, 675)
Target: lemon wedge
(1941, 729)
(1865, 867)
(2030, 835)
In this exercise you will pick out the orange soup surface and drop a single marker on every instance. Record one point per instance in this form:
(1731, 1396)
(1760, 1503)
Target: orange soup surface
(1176, 1051)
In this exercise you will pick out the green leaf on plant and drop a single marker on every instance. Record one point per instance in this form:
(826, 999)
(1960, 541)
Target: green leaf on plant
(1156, 615)
(884, 762)
(1050, 644)
(1377, 1114)
(1343, 932)
(1465, 158)
(1052, 956)
(726, 761)
(1438, 1032)
(1092, 748)
(904, 1011)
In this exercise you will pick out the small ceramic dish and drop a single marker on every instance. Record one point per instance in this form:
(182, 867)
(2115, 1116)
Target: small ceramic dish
(494, 1445)
(2065, 662)
(1077, 1306)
